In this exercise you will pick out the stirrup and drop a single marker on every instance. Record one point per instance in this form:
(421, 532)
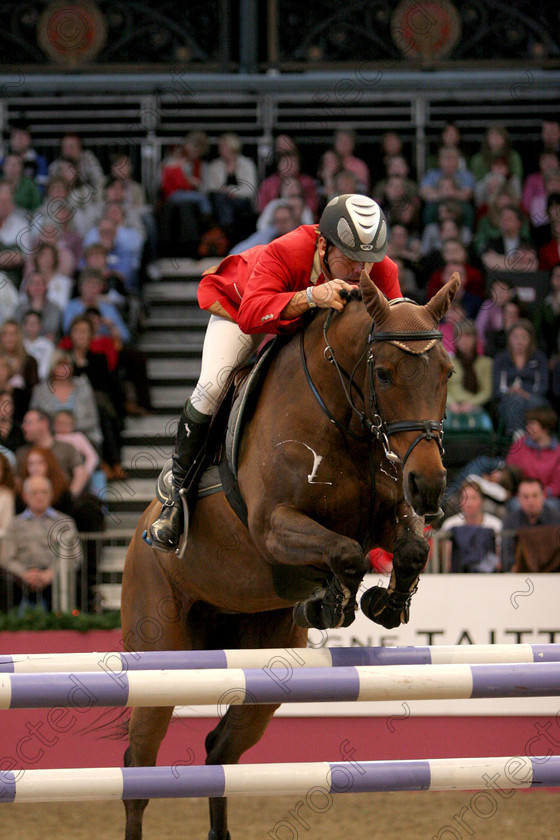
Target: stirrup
(183, 539)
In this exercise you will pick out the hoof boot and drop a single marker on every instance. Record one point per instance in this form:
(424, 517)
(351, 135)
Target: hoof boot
(327, 608)
(390, 609)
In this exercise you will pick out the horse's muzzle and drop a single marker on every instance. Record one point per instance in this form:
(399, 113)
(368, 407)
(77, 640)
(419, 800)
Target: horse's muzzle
(423, 493)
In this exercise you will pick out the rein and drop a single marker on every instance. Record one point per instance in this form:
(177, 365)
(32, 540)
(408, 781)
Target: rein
(376, 427)
(328, 353)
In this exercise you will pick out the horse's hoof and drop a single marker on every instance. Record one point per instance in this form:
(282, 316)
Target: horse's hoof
(390, 609)
(327, 609)
(213, 835)
(308, 614)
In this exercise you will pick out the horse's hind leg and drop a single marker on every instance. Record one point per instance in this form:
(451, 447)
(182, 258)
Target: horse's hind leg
(146, 731)
(243, 726)
(239, 729)
(153, 618)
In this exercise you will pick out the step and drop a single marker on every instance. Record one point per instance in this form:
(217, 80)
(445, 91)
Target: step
(163, 425)
(190, 341)
(128, 495)
(172, 397)
(112, 560)
(195, 319)
(141, 489)
(173, 369)
(116, 522)
(157, 439)
(167, 310)
(109, 595)
(162, 292)
(143, 472)
(145, 461)
(177, 268)
(171, 348)
(124, 515)
(146, 457)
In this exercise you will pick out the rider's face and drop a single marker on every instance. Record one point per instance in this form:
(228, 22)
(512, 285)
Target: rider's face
(341, 267)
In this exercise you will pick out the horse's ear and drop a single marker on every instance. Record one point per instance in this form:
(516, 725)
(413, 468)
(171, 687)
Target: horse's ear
(440, 303)
(375, 301)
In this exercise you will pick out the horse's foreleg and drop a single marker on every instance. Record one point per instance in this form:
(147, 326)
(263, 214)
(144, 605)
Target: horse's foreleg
(391, 607)
(146, 730)
(295, 539)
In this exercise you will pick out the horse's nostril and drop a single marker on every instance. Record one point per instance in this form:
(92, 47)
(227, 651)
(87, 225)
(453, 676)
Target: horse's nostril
(413, 483)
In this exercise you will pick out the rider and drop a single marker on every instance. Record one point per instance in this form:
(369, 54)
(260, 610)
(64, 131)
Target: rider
(266, 289)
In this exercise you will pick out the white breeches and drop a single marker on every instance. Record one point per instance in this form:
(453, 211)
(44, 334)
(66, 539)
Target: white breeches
(225, 347)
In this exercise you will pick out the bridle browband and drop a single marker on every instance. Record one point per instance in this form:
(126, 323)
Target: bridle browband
(376, 427)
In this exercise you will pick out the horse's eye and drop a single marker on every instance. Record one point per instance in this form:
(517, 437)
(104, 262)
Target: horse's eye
(451, 372)
(383, 376)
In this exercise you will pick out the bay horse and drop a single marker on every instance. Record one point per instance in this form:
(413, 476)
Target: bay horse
(341, 454)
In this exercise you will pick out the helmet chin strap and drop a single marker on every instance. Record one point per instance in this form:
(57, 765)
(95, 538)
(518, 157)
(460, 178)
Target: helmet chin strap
(326, 261)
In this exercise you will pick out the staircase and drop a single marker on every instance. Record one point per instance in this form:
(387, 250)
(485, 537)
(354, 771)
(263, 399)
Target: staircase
(172, 341)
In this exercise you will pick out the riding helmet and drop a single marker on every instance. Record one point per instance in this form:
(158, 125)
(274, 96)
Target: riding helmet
(355, 224)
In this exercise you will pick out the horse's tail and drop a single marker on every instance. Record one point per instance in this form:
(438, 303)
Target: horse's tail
(110, 724)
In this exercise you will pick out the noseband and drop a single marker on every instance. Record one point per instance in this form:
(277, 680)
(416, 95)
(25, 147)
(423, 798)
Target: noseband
(376, 426)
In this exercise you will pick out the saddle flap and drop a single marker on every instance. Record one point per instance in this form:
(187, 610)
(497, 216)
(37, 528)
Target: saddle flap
(240, 412)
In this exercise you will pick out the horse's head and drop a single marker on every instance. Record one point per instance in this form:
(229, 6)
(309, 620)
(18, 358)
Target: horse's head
(407, 384)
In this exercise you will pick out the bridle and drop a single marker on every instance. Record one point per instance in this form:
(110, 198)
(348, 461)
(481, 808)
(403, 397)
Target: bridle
(376, 427)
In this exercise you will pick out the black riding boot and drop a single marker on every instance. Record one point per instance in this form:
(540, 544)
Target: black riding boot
(165, 532)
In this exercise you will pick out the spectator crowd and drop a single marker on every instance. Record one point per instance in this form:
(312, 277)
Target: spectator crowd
(77, 242)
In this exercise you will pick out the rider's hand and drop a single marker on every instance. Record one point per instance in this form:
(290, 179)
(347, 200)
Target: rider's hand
(327, 295)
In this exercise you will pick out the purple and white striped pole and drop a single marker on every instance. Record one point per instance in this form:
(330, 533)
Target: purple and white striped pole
(287, 658)
(317, 778)
(247, 687)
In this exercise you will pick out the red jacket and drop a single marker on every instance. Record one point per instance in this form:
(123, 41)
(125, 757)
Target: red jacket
(173, 178)
(474, 283)
(549, 255)
(543, 464)
(256, 285)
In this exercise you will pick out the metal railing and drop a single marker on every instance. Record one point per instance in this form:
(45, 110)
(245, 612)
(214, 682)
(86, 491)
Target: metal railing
(95, 584)
(439, 559)
(146, 113)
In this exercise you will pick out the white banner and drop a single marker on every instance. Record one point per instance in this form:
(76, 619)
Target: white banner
(450, 610)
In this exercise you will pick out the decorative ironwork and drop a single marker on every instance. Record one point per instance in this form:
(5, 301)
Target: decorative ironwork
(117, 32)
(381, 31)
(72, 33)
(429, 31)
(287, 34)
